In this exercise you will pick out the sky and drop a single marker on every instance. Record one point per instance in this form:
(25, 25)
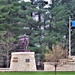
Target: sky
(27, 0)
(49, 1)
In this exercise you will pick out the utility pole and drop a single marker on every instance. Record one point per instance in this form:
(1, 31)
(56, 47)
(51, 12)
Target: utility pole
(69, 36)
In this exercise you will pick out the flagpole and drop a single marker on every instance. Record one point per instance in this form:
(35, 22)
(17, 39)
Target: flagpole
(69, 36)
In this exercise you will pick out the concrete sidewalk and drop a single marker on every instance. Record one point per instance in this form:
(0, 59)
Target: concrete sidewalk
(4, 69)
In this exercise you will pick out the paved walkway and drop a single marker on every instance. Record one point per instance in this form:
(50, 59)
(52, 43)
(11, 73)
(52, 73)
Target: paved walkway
(4, 69)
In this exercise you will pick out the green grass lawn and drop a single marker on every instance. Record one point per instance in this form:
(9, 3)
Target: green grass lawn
(37, 73)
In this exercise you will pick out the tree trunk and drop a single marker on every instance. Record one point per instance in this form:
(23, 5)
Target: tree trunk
(7, 59)
(55, 68)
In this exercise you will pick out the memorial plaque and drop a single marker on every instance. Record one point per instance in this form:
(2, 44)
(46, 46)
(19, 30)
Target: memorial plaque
(15, 59)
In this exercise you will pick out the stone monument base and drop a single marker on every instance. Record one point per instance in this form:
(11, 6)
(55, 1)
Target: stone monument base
(69, 66)
(23, 61)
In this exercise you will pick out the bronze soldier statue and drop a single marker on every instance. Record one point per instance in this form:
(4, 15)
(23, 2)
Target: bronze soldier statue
(23, 43)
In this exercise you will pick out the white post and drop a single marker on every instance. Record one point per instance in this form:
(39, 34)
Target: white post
(69, 36)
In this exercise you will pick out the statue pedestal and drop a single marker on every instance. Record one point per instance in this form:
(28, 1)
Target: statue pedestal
(23, 61)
